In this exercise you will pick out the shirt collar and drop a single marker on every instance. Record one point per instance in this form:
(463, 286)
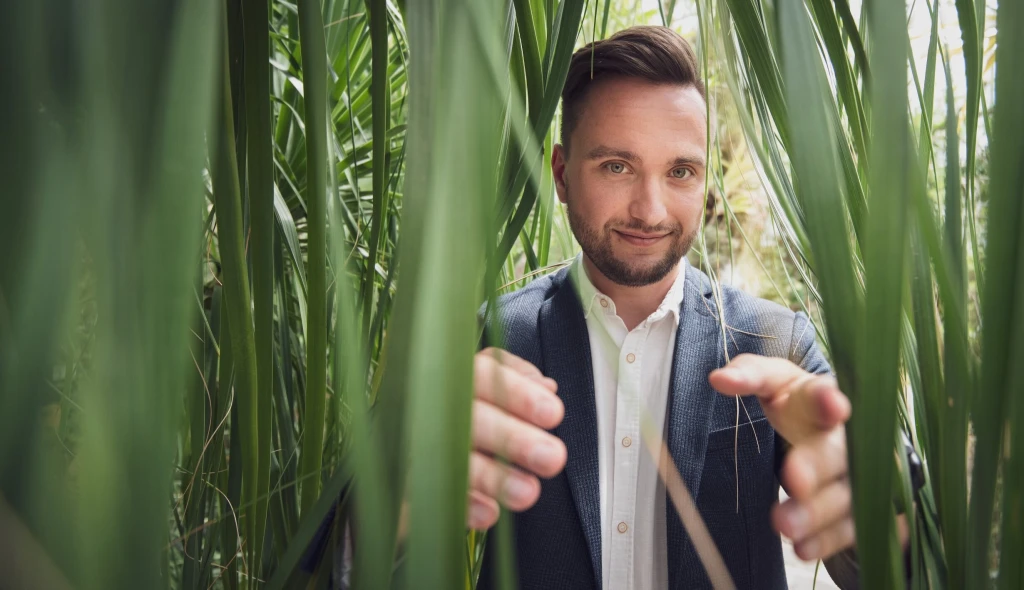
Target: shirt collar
(591, 299)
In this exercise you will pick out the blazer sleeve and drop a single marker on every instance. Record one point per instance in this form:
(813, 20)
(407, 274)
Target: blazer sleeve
(804, 349)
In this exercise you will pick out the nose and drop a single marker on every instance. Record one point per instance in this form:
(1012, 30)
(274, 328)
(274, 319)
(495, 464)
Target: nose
(647, 203)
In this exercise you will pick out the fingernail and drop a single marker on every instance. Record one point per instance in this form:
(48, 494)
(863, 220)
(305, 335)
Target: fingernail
(543, 455)
(517, 490)
(478, 515)
(797, 519)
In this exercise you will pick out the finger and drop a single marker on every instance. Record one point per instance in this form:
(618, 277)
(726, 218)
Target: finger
(819, 402)
(813, 405)
(828, 542)
(802, 520)
(772, 378)
(510, 390)
(519, 365)
(483, 511)
(766, 377)
(499, 433)
(816, 462)
(797, 403)
(508, 485)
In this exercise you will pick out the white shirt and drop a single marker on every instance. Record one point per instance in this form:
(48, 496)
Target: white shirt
(632, 370)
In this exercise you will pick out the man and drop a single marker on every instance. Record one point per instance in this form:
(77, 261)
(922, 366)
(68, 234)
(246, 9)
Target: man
(630, 332)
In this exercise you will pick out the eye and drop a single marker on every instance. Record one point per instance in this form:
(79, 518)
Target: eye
(681, 173)
(615, 167)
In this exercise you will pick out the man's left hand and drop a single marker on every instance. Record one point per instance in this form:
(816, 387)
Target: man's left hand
(808, 411)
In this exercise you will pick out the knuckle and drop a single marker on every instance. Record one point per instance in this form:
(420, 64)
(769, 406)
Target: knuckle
(481, 413)
(482, 359)
(800, 475)
(520, 447)
(478, 472)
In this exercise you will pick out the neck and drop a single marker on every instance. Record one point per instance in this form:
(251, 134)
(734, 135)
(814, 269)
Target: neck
(633, 304)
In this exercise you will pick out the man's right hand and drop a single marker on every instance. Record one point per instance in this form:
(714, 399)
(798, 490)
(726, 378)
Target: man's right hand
(513, 406)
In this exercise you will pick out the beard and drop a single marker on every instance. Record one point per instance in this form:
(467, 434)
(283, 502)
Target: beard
(597, 244)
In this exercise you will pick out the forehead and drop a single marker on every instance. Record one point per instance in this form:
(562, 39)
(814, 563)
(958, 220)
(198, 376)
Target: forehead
(642, 116)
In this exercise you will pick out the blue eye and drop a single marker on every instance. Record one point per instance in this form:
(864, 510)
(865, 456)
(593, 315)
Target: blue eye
(615, 167)
(681, 173)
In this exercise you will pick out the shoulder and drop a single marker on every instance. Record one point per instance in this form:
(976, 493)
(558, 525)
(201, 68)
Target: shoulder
(518, 313)
(533, 295)
(753, 324)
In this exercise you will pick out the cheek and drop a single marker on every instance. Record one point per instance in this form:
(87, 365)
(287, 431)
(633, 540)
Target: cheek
(689, 209)
(598, 201)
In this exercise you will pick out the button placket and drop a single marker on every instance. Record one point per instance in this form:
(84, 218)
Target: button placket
(626, 457)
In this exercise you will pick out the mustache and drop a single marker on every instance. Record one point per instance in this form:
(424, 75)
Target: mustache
(639, 226)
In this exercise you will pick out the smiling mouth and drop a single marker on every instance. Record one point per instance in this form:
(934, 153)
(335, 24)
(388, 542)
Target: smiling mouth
(640, 239)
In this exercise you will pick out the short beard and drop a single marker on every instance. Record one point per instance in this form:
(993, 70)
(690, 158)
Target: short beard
(597, 245)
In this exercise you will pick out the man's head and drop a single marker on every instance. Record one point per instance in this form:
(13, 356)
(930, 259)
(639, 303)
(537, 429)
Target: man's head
(632, 160)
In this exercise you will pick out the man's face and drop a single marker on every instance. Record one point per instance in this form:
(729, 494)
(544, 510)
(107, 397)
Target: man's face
(633, 177)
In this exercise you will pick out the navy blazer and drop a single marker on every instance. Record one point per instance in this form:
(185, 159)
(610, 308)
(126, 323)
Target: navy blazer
(557, 542)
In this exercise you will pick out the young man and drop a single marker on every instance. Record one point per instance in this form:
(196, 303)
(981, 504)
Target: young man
(630, 332)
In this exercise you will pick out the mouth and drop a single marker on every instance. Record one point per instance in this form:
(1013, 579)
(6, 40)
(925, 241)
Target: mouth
(640, 239)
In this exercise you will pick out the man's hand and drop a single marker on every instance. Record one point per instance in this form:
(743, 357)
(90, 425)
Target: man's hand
(514, 404)
(809, 412)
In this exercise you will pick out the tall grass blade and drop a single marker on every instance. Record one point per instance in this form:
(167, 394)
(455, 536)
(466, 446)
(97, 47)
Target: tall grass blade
(815, 166)
(380, 92)
(456, 201)
(228, 204)
(1001, 310)
(314, 69)
(259, 170)
(873, 426)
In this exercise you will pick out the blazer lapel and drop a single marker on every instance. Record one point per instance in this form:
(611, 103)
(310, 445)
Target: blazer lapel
(566, 351)
(698, 351)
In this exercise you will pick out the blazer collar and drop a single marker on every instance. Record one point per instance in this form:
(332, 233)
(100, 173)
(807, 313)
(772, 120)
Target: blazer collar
(565, 348)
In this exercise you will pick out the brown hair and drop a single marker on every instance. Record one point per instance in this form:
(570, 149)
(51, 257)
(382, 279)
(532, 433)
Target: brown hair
(655, 54)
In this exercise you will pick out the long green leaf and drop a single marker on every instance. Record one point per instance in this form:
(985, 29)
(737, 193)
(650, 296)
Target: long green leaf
(314, 68)
(878, 369)
(237, 299)
(259, 170)
(1001, 302)
(381, 93)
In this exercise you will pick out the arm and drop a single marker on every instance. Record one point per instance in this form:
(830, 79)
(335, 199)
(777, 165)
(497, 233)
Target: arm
(808, 412)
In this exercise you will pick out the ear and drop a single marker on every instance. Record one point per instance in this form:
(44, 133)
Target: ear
(558, 163)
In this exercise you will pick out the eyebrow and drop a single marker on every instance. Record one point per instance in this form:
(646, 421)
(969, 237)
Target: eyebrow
(603, 151)
(691, 160)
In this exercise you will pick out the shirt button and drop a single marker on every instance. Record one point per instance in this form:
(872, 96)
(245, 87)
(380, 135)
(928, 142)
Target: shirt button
(604, 303)
(623, 527)
(630, 357)
(626, 441)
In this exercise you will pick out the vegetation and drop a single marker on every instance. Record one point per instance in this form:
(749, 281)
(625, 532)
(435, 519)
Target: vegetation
(245, 244)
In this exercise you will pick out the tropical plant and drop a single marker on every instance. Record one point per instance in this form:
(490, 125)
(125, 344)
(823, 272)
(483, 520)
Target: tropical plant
(222, 355)
(825, 106)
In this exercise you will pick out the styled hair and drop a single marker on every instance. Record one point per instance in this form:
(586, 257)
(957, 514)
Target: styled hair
(655, 54)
